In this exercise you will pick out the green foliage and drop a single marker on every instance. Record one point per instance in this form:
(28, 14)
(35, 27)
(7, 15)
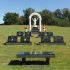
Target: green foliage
(63, 23)
(27, 12)
(58, 13)
(11, 18)
(21, 20)
(60, 17)
(46, 17)
(66, 13)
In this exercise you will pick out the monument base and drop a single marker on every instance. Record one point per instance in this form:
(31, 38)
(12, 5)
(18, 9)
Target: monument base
(17, 43)
(35, 30)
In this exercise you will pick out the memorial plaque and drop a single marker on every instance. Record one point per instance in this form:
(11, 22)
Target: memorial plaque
(48, 33)
(35, 29)
(12, 39)
(45, 39)
(58, 39)
(41, 34)
(20, 33)
(35, 54)
(27, 34)
(25, 39)
(54, 40)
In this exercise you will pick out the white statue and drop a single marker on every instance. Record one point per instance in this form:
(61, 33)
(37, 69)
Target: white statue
(35, 20)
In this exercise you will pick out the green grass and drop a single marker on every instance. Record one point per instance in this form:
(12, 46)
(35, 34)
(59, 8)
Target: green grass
(8, 52)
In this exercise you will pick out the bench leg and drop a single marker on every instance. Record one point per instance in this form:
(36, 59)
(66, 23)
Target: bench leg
(47, 60)
(23, 59)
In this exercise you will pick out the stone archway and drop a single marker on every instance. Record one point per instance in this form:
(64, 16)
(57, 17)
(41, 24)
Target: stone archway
(40, 19)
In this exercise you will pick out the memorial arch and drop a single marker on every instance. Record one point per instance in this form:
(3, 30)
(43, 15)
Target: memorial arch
(40, 19)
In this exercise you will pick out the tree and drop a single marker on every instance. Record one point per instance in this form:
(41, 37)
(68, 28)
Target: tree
(21, 20)
(27, 12)
(66, 13)
(58, 13)
(11, 18)
(46, 17)
(60, 17)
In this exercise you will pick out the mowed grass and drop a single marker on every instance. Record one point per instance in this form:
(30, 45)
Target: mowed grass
(8, 52)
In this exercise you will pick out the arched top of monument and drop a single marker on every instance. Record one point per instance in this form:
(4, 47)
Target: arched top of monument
(35, 13)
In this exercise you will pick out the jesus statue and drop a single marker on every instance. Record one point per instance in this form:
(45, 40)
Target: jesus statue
(35, 20)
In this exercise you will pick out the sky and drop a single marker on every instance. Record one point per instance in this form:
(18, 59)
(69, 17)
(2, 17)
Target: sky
(19, 5)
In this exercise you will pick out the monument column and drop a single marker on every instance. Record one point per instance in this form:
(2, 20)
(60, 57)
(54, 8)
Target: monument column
(40, 24)
(30, 23)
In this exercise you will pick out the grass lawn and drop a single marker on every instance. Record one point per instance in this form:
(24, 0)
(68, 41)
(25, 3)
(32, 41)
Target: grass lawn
(8, 52)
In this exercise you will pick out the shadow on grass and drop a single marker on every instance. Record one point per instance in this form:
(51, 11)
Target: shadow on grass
(16, 62)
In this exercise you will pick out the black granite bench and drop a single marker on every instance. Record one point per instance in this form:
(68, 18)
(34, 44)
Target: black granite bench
(25, 55)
